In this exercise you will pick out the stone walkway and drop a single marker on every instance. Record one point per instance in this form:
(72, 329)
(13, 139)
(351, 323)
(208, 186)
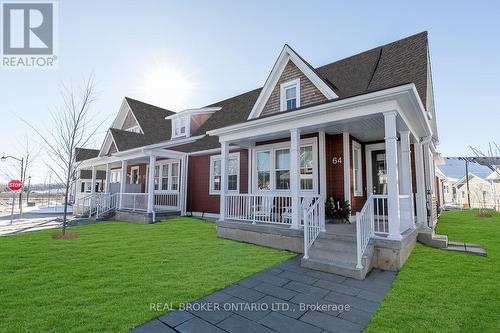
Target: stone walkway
(285, 298)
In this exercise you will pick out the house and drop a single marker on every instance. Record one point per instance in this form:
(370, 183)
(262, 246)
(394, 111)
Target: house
(361, 130)
(480, 190)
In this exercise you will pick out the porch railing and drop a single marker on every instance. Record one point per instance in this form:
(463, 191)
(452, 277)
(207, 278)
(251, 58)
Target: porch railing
(105, 203)
(406, 212)
(380, 213)
(134, 201)
(254, 208)
(312, 224)
(167, 201)
(365, 226)
(83, 206)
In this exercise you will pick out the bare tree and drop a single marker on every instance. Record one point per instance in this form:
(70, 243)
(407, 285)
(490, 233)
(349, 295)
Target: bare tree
(73, 126)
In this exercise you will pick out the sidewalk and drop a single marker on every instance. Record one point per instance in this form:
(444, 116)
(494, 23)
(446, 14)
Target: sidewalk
(285, 298)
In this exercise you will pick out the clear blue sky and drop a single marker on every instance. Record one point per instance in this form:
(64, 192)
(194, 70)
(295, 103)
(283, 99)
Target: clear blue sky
(222, 48)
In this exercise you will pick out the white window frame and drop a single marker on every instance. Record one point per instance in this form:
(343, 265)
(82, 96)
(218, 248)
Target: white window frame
(278, 146)
(286, 85)
(356, 149)
(161, 164)
(115, 176)
(176, 122)
(134, 129)
(214, 158)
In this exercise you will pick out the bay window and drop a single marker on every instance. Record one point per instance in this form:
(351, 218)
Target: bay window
(233, 173)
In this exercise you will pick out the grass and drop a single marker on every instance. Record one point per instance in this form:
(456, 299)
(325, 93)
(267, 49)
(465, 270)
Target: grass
(444, 291)
(106, 279)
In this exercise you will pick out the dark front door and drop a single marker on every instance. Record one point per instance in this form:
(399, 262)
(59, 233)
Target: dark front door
(379, 172)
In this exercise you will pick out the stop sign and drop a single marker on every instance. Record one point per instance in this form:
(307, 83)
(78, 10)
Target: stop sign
(15, 185)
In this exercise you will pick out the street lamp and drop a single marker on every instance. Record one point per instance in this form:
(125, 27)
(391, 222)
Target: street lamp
(3, 159)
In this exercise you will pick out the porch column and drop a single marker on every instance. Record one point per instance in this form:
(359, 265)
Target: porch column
(322, 178)
(108, 178)
(184, 178)
(94, 178)
(346, 159)
(419, 173)
(151, 183)
(391, 147)
(224, 161)
(123, 181)
(295, 177)
(406, 173)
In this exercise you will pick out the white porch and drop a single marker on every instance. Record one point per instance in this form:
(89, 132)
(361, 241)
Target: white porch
(130, 186)
(391, 125)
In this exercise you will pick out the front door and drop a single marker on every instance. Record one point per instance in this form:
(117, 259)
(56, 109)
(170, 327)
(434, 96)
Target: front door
(379, 172)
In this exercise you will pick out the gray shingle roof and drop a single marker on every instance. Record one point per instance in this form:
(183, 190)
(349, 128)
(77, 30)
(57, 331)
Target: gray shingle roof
(152, 121)
(394, 64)
(82, 154)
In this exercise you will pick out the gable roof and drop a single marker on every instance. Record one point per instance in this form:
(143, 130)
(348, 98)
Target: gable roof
(288, 54)
(454, 167)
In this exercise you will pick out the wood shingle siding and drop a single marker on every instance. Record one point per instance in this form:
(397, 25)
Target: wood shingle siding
(309, 94)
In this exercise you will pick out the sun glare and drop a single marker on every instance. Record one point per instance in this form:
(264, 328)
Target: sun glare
(167, 86)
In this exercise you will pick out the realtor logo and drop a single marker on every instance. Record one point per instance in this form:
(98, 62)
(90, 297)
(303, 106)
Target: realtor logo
(28, 34)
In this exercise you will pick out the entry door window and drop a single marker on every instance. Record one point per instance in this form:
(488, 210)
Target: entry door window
(379, 173)
(134, 175)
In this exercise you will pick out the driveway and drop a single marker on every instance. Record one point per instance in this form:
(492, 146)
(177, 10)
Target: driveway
(285, 298)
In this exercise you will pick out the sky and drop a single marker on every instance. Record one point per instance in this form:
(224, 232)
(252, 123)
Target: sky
(187, 54)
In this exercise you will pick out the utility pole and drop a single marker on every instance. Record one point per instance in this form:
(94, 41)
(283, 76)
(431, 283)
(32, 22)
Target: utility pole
(467, 180)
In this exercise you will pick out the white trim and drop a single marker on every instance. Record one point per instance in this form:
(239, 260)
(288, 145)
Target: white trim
(347, 166)
(187, 127)
(287, 85)
(369, 171)
(272, 148)
(138, 175)
(187, 112)
(356, 149)
(122, 115)
(288, 54)
(214, 158)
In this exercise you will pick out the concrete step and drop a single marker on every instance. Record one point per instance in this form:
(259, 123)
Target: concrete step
(335, 267)
(334, 244)
(337, 236)
(432, 240)
(341, 256)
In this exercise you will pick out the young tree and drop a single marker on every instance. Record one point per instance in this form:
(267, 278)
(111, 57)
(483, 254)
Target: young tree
(73, 126)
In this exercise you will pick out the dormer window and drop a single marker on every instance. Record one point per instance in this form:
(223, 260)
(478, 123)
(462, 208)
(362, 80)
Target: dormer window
(180, 124)
(290, 95)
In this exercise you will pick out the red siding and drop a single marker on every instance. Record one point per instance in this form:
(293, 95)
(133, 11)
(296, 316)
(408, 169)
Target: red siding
(199, 199)
(334, 172)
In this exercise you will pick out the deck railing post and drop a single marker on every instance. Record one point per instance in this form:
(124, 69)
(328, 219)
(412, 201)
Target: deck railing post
(306, 236)
(358, 241)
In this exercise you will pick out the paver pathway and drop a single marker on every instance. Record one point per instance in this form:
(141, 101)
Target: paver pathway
(285, 298)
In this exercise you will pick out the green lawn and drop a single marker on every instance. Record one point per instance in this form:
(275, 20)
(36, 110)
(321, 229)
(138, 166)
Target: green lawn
(443, 291)
(106, 279)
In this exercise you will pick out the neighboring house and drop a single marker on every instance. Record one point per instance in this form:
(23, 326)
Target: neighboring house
(480, 190)
(362, 129)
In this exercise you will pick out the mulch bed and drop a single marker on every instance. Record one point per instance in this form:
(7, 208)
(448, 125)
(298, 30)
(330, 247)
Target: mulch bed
(484, 215)
(67, 235)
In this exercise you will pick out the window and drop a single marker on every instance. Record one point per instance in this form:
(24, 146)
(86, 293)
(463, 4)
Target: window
(272, 168)
(290, 95)
(282, 169)
(86, 187)
(306, 168)
(233, 173)
(134, 175)
(166, 177)
(180, 125)
(134, 129)
(357, 174)
(115, 176)
(264, 170)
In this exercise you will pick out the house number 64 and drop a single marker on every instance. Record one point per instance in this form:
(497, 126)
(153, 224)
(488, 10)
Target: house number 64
(337, 160)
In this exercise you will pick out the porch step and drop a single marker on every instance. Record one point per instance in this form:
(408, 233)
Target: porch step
(335, 267)
(433, 240)
(336, 253)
